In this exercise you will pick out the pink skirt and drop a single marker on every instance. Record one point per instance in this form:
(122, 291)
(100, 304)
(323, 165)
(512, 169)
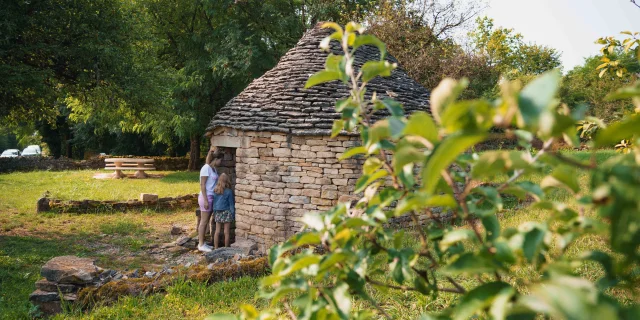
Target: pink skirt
(201, 202)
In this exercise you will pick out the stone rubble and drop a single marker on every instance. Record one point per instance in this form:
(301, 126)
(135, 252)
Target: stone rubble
(65, 276)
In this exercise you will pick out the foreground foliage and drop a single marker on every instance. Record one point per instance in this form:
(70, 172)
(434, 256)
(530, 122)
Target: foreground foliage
(417, 167)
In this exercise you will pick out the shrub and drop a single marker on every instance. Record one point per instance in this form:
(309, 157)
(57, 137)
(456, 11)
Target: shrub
(417, 164)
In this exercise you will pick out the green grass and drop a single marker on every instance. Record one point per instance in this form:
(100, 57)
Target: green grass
(28, 240)
(186, 300)
(19, 191)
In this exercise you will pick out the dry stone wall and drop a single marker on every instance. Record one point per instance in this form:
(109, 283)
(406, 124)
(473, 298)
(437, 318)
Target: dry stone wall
(189, 201)
(281, 177)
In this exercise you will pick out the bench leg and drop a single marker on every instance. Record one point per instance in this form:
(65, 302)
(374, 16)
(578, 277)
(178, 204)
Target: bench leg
(118, 174)
(140, 174)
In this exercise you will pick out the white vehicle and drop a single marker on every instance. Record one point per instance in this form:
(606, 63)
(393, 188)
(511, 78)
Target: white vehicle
(30, 152)
(10, 153)
(36, 147)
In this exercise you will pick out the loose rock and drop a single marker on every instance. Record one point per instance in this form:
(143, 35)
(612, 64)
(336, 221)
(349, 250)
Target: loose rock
(245, 245)
(225, 254)
(70, 270)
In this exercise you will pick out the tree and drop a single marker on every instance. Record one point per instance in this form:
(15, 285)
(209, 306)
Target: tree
(57, 48)
(583, 86)
(506, 50)
(417, 165)
(418, 35)
(216, 48)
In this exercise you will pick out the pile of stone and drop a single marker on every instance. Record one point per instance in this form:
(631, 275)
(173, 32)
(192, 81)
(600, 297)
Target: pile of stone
(63, 278)
(94, 206)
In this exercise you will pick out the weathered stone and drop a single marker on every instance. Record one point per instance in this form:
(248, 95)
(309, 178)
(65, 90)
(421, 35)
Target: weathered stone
(148, 197)
(49, 286)
(290, 179)
(311, 193)
(325, 154)
(281, 152)
(44, 296)
(273, 185)
(293, 192)
(224, 253)
(307, 179)
(260, 196)
(248, 152)
(70, 270)
(43, 205)
(246, 246)
(340, 182)
(182, 240)
(176, 230)
(299, 199)
(278, 138)
(329, 194)
(321, 202)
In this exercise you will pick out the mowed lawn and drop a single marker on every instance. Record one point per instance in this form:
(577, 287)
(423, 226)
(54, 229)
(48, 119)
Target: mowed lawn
(27, 239)
(24, 248)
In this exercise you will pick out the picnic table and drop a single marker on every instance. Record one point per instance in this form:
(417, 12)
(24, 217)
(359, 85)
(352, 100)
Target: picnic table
(119, 164)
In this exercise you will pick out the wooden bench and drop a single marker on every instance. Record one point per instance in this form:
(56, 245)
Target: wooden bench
(119, 164)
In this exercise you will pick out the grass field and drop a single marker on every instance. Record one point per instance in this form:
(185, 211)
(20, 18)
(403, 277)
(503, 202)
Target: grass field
(27, 240)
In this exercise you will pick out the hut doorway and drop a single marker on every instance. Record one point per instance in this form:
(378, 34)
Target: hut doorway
(227, 166)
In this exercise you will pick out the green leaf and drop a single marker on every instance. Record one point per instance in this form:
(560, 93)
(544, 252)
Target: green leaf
(456, 236)
(322, 77)
(333, 26)
(371, 165)
(333, 62)
(405, 156)
(394, 107)
(302, 262)
(248, 311)
(366, 180)
(492, 227)
(532, 244)
(446, 93)
(370, 40)
(380, 130)
(537, 97)
(372, 69)
(421, 124)
(421, 285)
(482, 298)
(470, 264)
(396, 126)
(337, 128)
(444, 155)
(562, 176)
(353, 152)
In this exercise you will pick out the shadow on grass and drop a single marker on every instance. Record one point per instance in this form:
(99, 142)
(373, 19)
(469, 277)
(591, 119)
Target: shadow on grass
(179, 177)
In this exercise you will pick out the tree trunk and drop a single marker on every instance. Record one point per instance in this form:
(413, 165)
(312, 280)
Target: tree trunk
(194, 153)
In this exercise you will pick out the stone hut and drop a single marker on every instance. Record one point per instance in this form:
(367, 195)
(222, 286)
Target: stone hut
(278, 136)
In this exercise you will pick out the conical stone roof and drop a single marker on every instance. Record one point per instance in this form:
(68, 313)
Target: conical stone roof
(278, 102)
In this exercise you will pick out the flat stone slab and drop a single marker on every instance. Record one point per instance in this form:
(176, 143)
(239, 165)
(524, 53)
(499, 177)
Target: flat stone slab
(44, 296)
(70, 270)
(224, 253)
(148, 197)
(49, 286)
(246, 245)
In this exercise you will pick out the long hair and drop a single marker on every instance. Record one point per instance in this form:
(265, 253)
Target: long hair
(223, 183)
